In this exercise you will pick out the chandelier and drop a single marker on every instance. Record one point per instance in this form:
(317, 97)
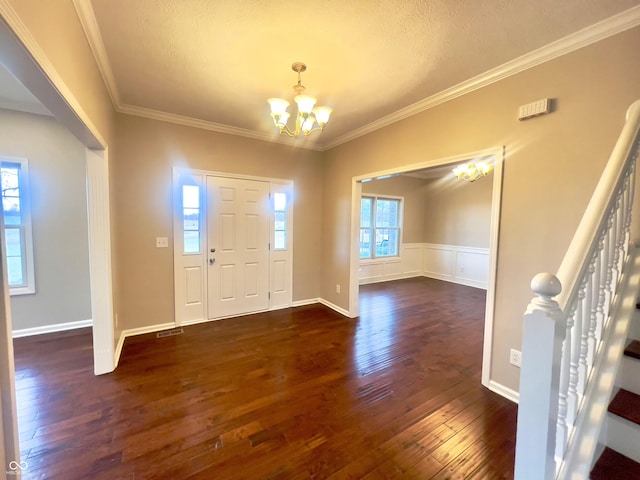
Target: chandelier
(472, 171)
(307, 115)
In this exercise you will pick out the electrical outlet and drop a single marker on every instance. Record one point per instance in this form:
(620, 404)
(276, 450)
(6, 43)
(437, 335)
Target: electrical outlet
(162, 242)
(337, 288)
(515, 357)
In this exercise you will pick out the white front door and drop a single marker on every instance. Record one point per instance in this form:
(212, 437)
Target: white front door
(237, 246)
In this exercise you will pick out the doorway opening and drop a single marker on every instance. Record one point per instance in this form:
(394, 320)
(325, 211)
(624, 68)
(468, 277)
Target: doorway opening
(429, 259)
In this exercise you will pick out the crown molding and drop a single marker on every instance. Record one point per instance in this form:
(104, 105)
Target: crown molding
(211, 126)
(582, 38)
(587, 36)
(89, 24)
(64, 93)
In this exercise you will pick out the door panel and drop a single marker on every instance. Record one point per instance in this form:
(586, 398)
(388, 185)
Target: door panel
(238, 246)
(193, 285)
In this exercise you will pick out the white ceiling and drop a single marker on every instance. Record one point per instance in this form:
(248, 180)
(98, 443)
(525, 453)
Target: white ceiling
(213, 63)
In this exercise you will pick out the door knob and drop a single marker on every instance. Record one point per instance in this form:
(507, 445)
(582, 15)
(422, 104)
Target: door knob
(212, 261)
(213, 250)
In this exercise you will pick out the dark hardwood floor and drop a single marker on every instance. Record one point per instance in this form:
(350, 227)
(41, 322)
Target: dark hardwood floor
(302, 393)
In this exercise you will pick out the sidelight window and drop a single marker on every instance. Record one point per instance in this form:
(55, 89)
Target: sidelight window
(191, 218)
(280, 220)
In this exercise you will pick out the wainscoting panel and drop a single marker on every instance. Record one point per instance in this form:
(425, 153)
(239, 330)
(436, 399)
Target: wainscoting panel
(452, 263)
(408, 264)
(458, 264)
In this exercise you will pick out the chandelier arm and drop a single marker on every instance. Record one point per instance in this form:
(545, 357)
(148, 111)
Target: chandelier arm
(285, 129)
(314, 129)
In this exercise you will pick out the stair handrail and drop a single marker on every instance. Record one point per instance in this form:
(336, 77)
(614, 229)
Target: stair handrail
(565, 322)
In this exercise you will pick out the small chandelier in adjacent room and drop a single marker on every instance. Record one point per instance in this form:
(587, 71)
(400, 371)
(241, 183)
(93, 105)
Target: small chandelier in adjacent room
(307, 115)
(472, 171)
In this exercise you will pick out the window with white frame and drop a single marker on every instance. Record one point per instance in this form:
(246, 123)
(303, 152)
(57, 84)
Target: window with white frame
(280, 220)
(191, 213)
(16, 210)
(380, 226)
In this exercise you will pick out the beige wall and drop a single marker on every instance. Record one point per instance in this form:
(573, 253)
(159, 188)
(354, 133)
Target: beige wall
(553, 163)
(413, 191)
(443, 210)
(57, 177)
(145, 154)
(458, 213)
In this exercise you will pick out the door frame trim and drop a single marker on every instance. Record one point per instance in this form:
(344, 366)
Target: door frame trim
(181, 172)
(496, 202)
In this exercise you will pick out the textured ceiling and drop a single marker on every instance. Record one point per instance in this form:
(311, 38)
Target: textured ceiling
(218, 61)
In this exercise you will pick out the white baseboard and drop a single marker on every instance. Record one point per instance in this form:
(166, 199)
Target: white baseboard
(459, 280)
(186, 323)
(58, 327)
(116, 354)
(503, 391)
(139, 331)
(148, 329)
(302, 303)
(326, 303)
(367, 281)
(333, 306)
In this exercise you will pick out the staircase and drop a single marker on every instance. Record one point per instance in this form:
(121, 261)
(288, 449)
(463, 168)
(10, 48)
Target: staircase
(580, 375)
(620, 435)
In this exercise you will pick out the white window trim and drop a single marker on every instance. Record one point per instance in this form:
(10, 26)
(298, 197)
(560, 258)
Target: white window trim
(374, 258)
(25, 207)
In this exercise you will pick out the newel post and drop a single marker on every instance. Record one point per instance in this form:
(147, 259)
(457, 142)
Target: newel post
(542, 337)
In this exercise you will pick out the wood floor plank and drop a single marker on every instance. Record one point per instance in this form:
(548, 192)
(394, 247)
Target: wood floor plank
(298, 393)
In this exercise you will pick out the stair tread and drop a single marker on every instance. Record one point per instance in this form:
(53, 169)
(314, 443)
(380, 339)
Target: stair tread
(626, 405)
(614, 466)
(633, 350)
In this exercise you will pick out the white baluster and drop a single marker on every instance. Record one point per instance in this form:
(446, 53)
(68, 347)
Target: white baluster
(572, 360)
(609, 242)
(600, 315)
(562, 433)
(585, 318)
(632, 189)
(593, 294)
(620, 252)
(543, 333)
(617, 234)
